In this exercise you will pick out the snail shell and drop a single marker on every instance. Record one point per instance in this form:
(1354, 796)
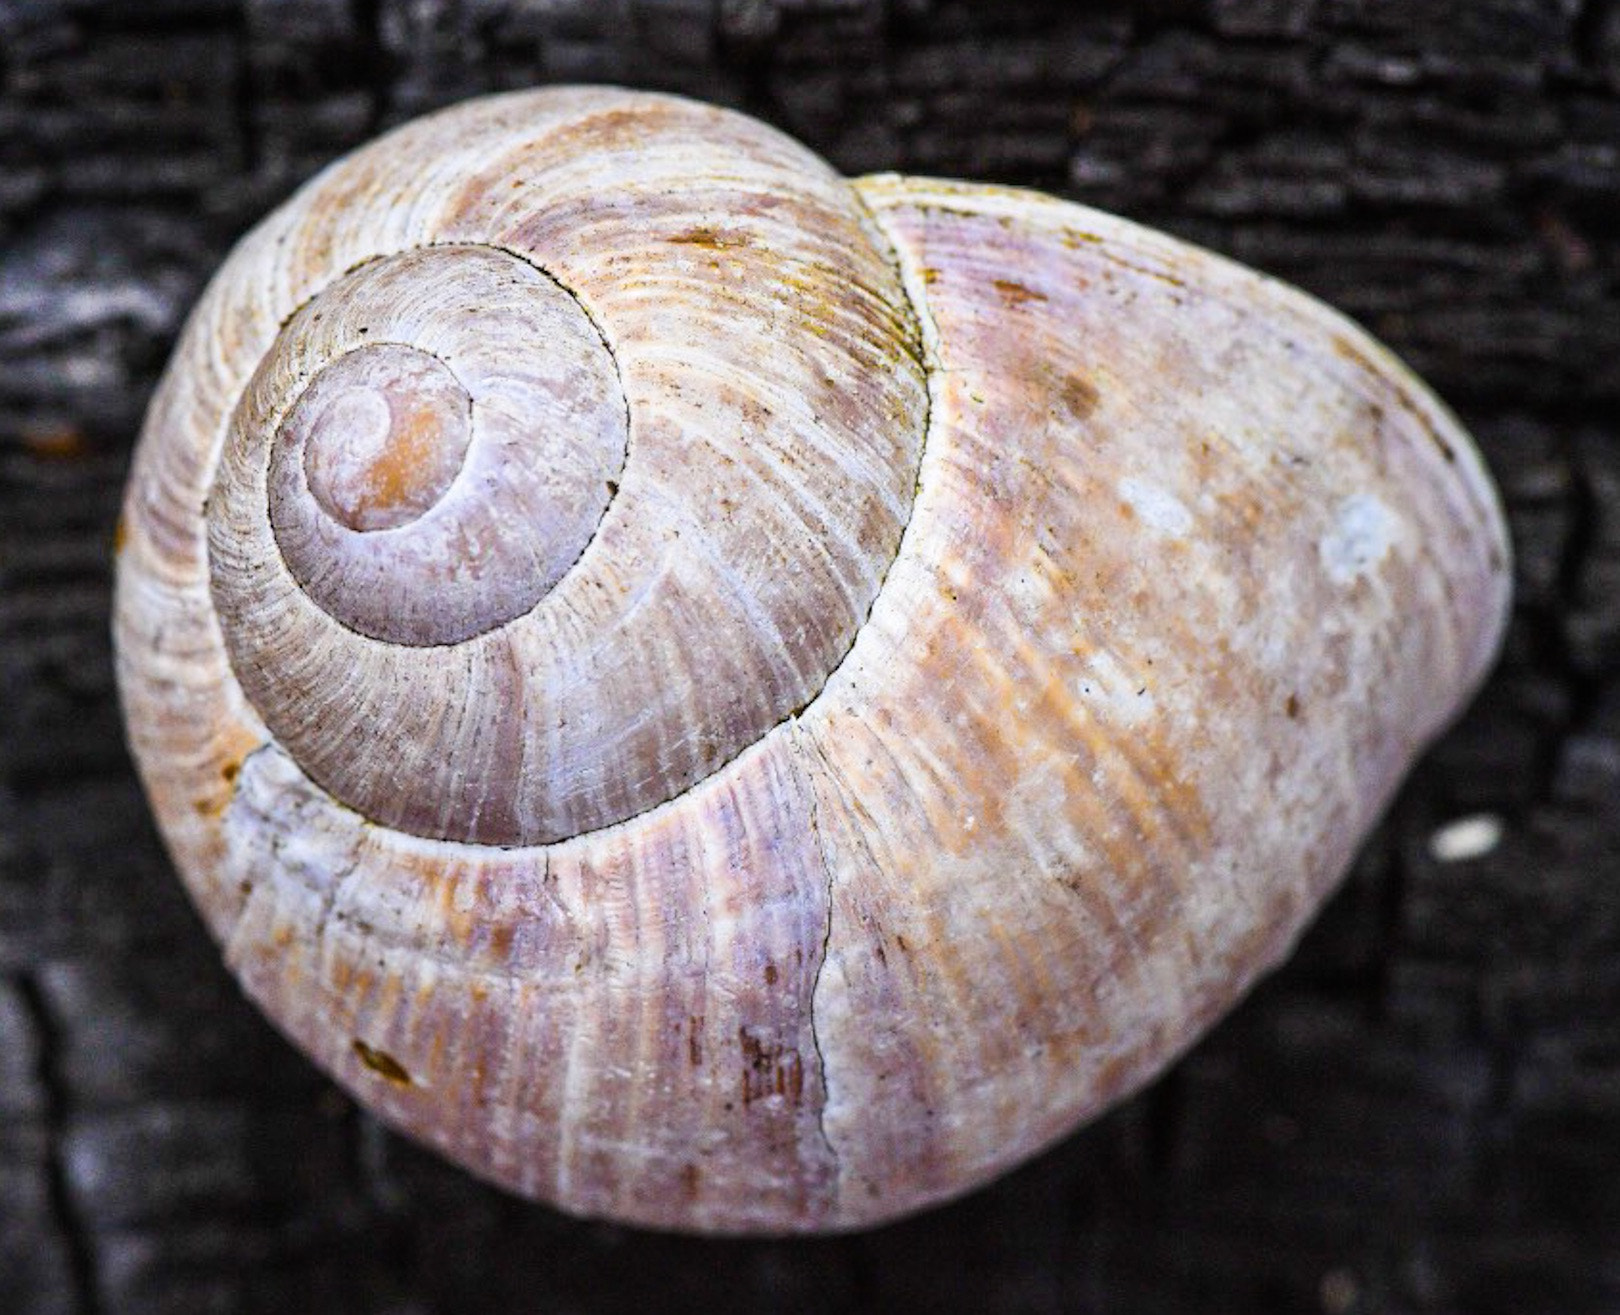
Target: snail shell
(729, 698)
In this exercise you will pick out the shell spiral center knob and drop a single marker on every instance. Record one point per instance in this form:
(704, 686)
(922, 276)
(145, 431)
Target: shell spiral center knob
(384, 431)
(732, 698)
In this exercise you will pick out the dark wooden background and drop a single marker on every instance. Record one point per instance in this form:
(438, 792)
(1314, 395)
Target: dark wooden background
(1421, 1113)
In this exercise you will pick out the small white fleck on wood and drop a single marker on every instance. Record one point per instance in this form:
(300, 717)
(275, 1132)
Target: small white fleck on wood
(1466, 838)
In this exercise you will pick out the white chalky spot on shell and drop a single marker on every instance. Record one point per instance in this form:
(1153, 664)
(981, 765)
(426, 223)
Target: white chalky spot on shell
(1364, 530)
(1158, 509)
(1115, 693)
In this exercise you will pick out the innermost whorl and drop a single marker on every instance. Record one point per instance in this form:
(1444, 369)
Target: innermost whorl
(384, 431)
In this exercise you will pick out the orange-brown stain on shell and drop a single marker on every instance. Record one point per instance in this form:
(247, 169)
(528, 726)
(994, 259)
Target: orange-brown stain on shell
(350, 979)
(770, 1068)
(1016, 294)
(603, 131)
(382, 1063)
(405, 476)
(501, 939)
(1078, 396)
(1160, 274)
(712, 239)
(230, 752)
(468, 906)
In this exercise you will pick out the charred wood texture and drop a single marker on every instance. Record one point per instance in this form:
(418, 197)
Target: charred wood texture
(1420, 1113)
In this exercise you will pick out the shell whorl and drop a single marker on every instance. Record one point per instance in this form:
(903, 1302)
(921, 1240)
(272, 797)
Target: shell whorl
(732, 698)
(638, 540)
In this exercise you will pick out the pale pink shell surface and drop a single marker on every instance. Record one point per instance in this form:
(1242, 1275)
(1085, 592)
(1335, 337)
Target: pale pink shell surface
(732, 699)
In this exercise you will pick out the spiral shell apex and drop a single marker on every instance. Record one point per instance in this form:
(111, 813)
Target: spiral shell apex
(730, 698)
